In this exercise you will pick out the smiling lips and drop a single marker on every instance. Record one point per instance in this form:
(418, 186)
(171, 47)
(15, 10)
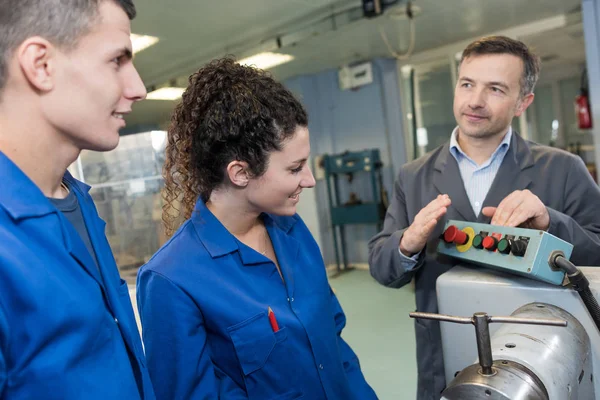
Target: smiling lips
(120, 116)
(475, 117)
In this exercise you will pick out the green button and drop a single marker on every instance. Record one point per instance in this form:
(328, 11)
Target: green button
(477, 241)
(503, 246)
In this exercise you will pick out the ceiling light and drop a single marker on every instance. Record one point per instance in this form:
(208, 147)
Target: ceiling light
(141, 42)
(166, 93)
(266, 60)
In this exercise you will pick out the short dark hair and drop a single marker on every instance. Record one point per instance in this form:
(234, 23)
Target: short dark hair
(506, 45)
(228, 112)
(62, 22)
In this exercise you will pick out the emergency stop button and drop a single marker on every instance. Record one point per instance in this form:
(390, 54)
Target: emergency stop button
(455, 235)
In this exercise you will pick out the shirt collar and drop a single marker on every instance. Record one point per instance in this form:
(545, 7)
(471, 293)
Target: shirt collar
(217, 240)
(502, 148)
(21, 197)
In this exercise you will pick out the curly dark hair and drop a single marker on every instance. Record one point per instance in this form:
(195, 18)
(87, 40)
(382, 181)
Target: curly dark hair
(228, 112)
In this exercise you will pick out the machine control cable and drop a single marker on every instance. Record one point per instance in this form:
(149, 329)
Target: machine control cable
(580, 284)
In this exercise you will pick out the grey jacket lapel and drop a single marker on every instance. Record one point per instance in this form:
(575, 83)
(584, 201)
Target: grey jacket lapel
(447, 180)
(512, 174)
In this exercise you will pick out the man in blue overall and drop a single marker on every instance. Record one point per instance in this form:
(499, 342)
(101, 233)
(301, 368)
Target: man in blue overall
(67, 328)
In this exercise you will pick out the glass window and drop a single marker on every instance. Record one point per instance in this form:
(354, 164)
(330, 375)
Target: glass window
(126, 187)
(435, 101)
(569, 89)
(546, 121)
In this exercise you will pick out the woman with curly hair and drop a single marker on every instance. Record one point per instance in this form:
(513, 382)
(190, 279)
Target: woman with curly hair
(236, 305)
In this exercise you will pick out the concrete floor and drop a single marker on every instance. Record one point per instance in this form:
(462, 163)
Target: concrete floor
(380, 332)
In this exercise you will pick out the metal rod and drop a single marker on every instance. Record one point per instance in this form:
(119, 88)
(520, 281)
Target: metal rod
(529, 321)
(484, 345)
(506, 320)
(441, 317)
(482, 331)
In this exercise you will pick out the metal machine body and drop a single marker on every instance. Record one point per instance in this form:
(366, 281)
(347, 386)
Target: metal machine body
(510, 381)
(556, 362)
(535, 362)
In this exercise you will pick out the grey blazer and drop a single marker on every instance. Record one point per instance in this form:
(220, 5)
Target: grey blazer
(558, 178)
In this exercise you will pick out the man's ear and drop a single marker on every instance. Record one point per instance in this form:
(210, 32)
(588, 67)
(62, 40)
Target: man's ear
(523, 104)
(238, 173)
(36, 58)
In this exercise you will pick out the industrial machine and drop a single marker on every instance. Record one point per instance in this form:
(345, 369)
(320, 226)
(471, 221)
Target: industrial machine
(534, 314)
(361, 201)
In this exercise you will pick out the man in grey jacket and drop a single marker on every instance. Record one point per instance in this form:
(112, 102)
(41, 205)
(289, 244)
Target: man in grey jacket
(486, 173)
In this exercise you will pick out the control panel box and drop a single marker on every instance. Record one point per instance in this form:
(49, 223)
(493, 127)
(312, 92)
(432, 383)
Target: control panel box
(516, 250)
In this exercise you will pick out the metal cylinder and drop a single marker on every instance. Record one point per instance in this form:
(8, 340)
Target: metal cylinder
(510, 381)
(532, 361)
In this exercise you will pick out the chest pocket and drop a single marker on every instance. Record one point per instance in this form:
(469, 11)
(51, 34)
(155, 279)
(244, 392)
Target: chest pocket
(254, 341)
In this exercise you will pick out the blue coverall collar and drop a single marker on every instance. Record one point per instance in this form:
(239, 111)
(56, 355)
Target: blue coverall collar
(21, 197)
(221, 242)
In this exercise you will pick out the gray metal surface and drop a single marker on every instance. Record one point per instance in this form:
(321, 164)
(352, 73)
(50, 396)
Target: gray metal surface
(481, 321)
(558, 356)
(511, 381)
(464, 291)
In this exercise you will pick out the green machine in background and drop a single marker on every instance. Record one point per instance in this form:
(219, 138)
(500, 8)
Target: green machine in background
(370, 209)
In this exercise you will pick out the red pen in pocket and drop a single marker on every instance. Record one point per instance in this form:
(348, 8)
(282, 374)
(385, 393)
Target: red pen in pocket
(273, 321)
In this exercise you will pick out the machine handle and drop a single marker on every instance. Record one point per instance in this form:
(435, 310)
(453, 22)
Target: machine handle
(491, 319)
(482, 331)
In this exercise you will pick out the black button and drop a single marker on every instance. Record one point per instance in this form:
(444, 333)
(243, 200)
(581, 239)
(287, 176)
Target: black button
(518, 247)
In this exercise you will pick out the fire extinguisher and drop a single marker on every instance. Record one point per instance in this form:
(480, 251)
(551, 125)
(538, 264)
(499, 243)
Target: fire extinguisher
(582, 105)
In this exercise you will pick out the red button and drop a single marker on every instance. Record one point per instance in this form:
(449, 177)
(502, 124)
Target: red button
(490, 243)
(453, 234)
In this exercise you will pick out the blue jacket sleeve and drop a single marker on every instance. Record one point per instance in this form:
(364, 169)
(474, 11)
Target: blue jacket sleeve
(357, 381)
(3, 344)
(175, 341)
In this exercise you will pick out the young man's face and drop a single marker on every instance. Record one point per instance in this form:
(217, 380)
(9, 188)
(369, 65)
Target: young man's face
(487, 95)
(95, 83)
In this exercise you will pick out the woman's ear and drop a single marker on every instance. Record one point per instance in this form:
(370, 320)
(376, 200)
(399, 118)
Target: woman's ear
(238, 173)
